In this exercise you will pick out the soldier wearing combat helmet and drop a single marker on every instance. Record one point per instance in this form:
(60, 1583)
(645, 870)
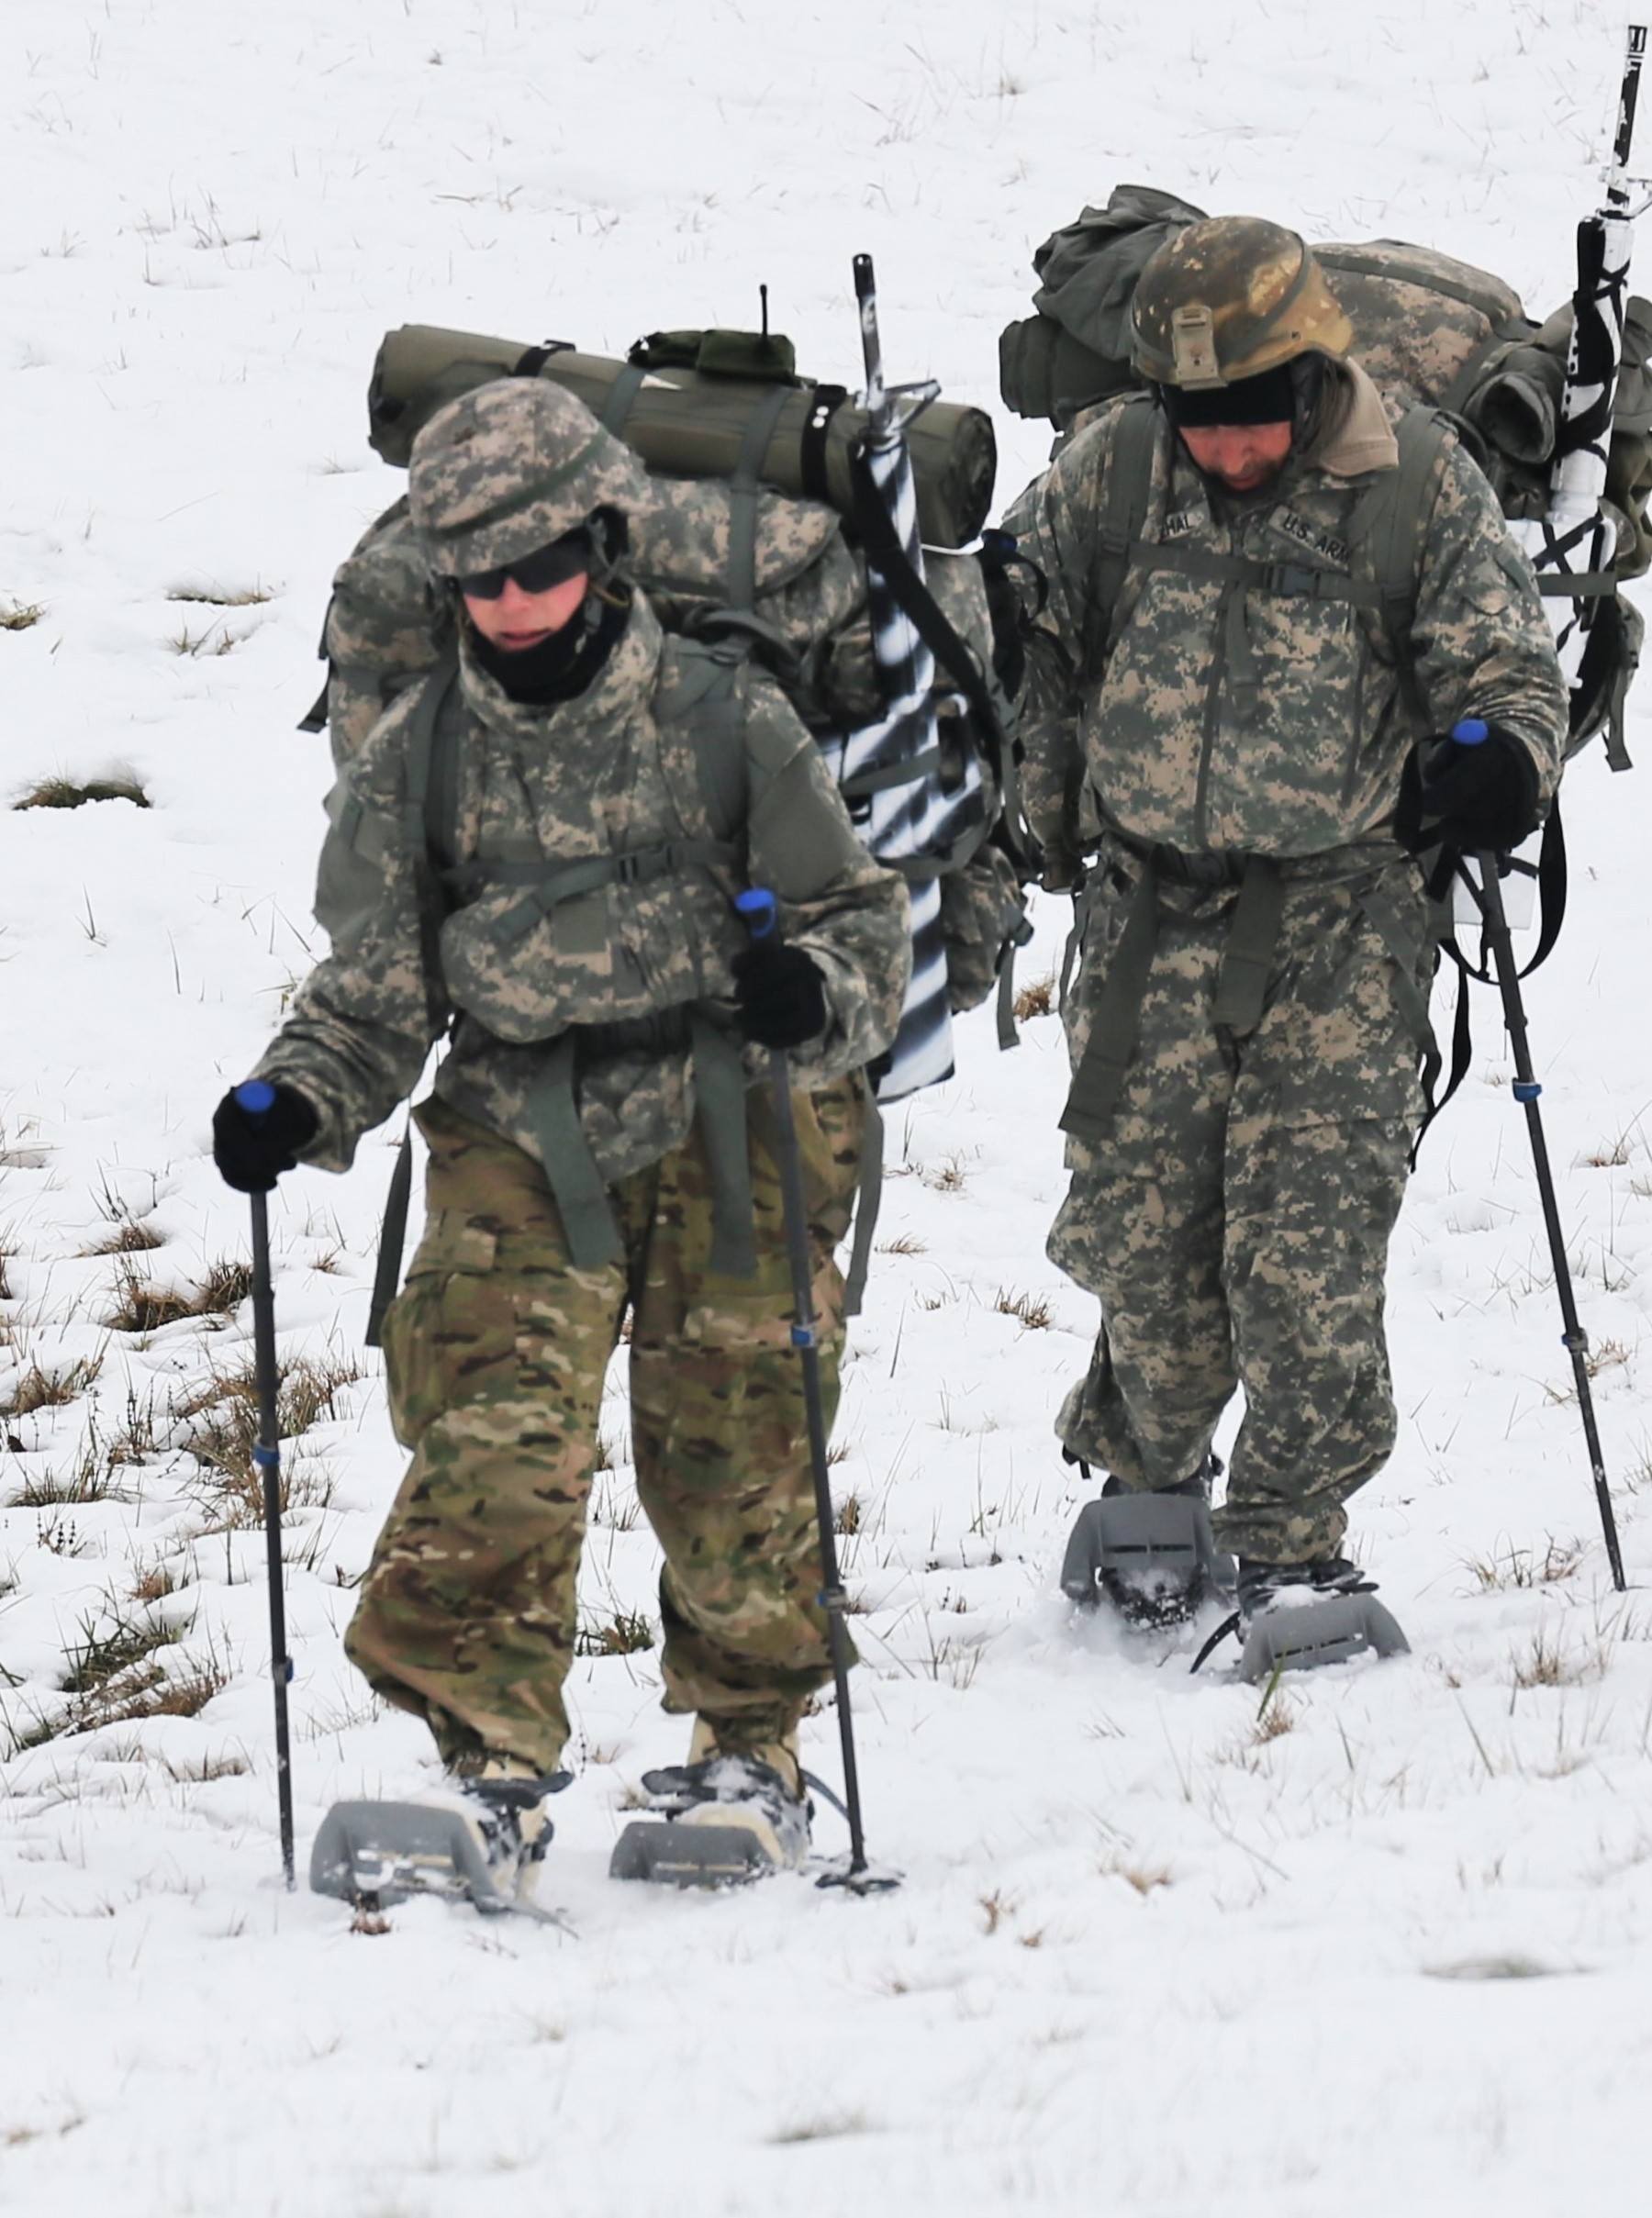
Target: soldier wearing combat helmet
(537, 849)
(1235, 719)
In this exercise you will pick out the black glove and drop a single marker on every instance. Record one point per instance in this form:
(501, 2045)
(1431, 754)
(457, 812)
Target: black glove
(1468, 792)
(780, 994)
(252, 1149)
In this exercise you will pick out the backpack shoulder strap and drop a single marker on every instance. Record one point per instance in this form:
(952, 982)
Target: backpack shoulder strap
(1388, 533)
(1127, 495)
(434, 744)
(701, 690)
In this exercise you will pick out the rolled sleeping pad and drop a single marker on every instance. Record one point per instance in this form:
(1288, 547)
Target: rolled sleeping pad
(685, 423)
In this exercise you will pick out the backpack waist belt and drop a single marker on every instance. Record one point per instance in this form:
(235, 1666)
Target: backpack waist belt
(571, 1167)
(1249, 957)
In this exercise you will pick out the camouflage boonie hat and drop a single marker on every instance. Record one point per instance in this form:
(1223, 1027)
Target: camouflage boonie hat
(510, 467)
(1230, 298)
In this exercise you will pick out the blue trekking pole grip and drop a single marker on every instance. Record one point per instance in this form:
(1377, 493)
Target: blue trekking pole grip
(760, 912)
(255, 1098)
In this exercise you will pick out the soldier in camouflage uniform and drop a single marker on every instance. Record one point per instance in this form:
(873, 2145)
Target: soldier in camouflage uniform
(538, 845)
(1222, 711)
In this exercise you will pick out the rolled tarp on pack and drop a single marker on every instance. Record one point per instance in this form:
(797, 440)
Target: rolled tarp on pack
(698, 422)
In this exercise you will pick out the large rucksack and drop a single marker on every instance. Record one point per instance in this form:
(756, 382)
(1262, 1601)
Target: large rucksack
(1427, 327)
(734, 560)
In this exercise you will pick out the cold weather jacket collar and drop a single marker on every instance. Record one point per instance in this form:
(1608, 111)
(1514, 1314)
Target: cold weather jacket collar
(1353, 435)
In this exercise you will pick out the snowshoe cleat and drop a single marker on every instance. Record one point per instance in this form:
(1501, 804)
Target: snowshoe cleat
(731, 1816)
(1297, 1617)
(482, 1843)
(1153, 1555)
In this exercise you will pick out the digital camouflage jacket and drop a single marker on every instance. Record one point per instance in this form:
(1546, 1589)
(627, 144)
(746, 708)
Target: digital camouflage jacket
(588, 906)
(1268, 716)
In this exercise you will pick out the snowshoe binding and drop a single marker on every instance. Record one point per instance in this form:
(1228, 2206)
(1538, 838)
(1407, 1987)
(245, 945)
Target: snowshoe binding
(731, 1816)
(481, 1842)
(1298, 1617)
(1152, 1555)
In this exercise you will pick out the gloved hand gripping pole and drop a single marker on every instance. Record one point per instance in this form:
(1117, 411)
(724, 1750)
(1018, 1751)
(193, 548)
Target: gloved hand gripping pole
(256, 1098)
(1489, 895)
(759, 913)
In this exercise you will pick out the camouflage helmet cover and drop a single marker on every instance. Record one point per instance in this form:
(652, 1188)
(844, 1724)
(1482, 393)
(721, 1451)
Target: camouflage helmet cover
(1229, 299)
(508, 468)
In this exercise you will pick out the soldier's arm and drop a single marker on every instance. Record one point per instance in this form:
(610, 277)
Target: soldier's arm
(362, 1024)
(848, 912)
(1482, 642)
(1055, 523)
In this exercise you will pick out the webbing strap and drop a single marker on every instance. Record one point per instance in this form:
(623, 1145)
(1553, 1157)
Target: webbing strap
(315, 719)
(1577, 584)
(550, 884)
(720, 1084)
(1360, 264)
(744, 489)
(1252, 943)
(1098, 1081)
(868, 1199)
(909, 771)
(393, 1240)
(581, 1199)
(1008, 1037)
(823, 406)
(615, 411)
(1124, 516)
(420, 751)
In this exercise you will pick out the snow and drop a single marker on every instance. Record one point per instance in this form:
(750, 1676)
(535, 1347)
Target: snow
(1379, 1944)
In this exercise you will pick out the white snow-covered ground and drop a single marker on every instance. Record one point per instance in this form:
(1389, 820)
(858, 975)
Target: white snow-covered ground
(1383, 1949)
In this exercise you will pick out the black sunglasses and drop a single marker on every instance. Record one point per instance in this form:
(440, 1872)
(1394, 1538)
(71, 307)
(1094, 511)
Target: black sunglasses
(536, 572)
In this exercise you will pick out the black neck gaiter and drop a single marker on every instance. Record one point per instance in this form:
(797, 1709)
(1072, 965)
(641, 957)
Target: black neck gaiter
(559, 668)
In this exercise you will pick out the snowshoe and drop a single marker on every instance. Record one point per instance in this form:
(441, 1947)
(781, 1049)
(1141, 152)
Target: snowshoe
(730, 1816)
(1153, 1555)
(1297, 1617)
(482, 1843)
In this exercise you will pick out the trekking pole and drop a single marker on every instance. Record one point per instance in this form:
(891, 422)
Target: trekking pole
(256, 1098)
(759, 913)
(1526, 1090)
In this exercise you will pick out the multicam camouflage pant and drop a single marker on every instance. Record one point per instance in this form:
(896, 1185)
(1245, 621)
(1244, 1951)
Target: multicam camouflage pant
(1234, 1220)
(496, 1350)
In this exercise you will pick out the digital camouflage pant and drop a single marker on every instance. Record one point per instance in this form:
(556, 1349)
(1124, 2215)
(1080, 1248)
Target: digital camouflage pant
(1234, 1216)
(495, 1352)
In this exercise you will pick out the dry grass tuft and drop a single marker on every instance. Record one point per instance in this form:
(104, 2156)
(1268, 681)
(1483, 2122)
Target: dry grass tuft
(22, 615)
(947, 1177)
(100, 1656)
(1547, 1662)
(211, 596)
(145, 1689)
(41, 1389)
(1036, 999)
(128, 1238)
(1525, 1567)
(621, 1632)
(848, 1518)
(63, 793)
(141, 1306)
(219, 1425)
(153, 1582)
(904, 1243)
(1033, 1310)
(216, 639)
(90, 1479)
(1137, 1873)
